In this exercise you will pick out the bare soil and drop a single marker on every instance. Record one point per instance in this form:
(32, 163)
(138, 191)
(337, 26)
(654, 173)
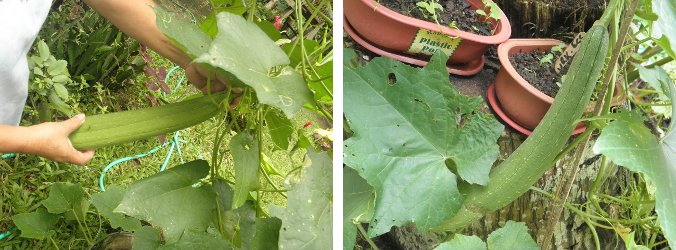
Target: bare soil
(541, 75)
(457, 11)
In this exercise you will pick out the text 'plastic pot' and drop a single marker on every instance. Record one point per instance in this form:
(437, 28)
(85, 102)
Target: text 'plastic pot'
(411, 40)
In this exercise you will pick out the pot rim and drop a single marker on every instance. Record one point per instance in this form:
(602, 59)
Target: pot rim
(500, 37)
(503, 56)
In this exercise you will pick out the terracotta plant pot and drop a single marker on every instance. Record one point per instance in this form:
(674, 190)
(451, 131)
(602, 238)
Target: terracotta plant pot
(523, 104)
(407, 39)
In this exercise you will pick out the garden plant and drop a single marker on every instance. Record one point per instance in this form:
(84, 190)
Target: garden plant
(439, 172)
(253, 178)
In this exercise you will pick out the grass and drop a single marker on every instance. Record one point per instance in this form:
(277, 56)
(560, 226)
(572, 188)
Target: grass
(26, 178)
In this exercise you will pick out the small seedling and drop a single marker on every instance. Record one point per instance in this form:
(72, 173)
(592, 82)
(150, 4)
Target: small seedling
(490, 11)
(429, 9)
(492, 8)
(556, 50)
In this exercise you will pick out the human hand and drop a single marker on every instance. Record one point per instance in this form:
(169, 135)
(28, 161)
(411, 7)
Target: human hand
(50, 140)
(198, 77)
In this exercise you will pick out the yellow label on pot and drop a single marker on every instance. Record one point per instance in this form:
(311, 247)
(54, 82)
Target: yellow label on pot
(428, 42)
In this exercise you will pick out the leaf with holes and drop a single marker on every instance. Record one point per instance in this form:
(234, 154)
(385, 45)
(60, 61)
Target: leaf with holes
(306, 220)
(410, 127)
(170, 200)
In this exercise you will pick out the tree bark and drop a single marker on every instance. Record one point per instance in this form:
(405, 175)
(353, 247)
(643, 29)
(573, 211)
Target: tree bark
(550, 18)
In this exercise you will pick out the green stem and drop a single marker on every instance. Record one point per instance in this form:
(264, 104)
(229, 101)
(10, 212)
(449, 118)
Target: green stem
(366, 237)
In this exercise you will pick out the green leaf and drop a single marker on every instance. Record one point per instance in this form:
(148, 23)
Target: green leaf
(247, 224)
(245, 154)
(57, 103)
(463, 242)
(280, 128)
(269, 29)
(295, 55)
(169, 200)
(197, 240)
(659, 80)
(664, 30)
(61, 91)
(306, 220)
(209, 26)
(627, 142)
(43, 51)
(35, 225)
(248, 55)
(185, 35)
(631, 244)
(325, 72)
(514, 235)
(146, 238)
(61, 79)
(66, 197)
(358, 200)
(106, 201)
(410, 126)
(58, 68)
(267, 234)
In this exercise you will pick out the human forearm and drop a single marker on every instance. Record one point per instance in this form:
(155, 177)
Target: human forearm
(49, 140)
(14, 139)
(136, 18)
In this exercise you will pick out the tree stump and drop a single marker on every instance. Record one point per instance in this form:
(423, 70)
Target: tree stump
(550, 18)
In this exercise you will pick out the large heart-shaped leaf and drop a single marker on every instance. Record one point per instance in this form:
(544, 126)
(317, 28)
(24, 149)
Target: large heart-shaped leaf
(35, 225)
(169, 200)
(627, 142)
(242, 54)
(513, 235)
(306, 220)
(67, 198)
(106, 201)
(410, 126)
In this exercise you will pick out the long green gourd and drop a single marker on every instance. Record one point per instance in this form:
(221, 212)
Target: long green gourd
(535, 156)
(127, 126)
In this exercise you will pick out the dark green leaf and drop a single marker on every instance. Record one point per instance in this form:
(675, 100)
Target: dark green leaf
(146, 238)
(66, 197)
(35, 225)
(463, 242)
(280, 128)
(358, 200)
(169, 200)
(245, 154)
(267, 234)
(306, 220)
(106, 201)
(269, 30)
(197, 240)
(514, 235)
(410, 126)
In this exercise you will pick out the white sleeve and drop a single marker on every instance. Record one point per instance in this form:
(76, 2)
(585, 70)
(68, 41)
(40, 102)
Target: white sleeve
(20, 22)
